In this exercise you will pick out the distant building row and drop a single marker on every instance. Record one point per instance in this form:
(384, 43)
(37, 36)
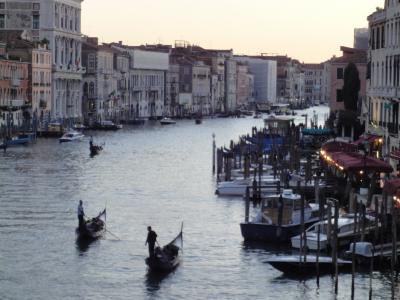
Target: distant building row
(91, 81)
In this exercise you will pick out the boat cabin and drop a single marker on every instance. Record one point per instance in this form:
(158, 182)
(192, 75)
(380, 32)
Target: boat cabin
(288, 203)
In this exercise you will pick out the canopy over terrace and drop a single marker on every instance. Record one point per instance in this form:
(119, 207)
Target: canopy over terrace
(338, 146)
(368, 138)
(355, 162)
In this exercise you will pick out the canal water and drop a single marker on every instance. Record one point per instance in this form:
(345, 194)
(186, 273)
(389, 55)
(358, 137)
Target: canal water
(150, 175)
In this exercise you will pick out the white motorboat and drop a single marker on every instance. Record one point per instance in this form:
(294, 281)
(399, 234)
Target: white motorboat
(71, 136)
(238, 187)
(167, 121)
(345, 232)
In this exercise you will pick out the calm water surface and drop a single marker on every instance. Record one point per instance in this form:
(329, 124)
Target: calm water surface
(149, 175)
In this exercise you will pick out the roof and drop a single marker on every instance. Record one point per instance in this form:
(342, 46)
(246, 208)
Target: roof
(355, 162)
(357, 56)
(337, 146)
(392, 186)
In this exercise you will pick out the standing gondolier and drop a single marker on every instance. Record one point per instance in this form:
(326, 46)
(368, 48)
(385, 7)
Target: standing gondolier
(81, 214)
(151, 240)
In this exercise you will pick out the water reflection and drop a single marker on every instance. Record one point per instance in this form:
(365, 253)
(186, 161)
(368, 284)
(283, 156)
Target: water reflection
(83, 244)
(154, 280)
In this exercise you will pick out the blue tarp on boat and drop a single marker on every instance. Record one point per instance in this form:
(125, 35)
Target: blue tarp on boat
(267, 142)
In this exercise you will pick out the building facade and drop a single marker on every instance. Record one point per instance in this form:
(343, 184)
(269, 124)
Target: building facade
(337, 66)
(245, 86)
(313, 83)
(265, 77)
(381, 108)
(201, 90)
(14, 85)
(57, 22)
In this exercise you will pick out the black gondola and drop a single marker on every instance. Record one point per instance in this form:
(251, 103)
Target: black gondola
(94, 149)
(167, 258)
(93, 228)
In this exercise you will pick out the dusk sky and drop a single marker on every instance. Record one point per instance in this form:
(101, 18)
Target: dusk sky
(309, 30)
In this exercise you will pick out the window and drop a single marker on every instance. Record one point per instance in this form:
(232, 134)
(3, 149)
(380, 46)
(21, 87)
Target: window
(339, 95)
(2, 21)
(2, 5)
(36, 6)
(35, 21)
(339, 73)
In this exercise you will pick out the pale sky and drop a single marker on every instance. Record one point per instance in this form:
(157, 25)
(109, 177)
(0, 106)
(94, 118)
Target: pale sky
(308, 30)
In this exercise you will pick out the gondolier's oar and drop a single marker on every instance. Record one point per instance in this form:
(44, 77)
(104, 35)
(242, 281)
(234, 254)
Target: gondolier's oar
(112, 234)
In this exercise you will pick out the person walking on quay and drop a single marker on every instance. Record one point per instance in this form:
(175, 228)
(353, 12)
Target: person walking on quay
(151, 240)
(81, 214)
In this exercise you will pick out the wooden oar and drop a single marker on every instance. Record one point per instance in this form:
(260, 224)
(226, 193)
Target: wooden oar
(112, 234)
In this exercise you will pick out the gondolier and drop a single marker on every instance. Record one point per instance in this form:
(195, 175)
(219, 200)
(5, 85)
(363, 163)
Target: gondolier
(151, 240)
(81, 214)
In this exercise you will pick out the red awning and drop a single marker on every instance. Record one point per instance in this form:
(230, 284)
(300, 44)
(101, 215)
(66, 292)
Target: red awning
(392, 186)
(369, 138)
(355, 162)
(338, 146)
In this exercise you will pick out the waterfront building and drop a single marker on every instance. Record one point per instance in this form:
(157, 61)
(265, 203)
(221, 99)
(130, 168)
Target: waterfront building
(14, 86)
(57, 22)
(201, 90)
(171, 107)
(265, 77)
(326, 79)
(337, 66)
(381, 108)
(40, 70)
(245, 86)
(361, 38)
(230, 85)
(313, 83)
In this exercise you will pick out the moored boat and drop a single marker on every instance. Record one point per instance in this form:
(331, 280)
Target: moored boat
(279, 218)
(106, 125)
(20, 139)
(298, 265)
(345, 232)
(167, 258)
(238, 187)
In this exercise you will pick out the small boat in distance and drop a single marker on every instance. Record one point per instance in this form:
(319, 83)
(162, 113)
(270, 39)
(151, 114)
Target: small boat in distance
(93, 228)
(20, 139)
(167, 121)
(106, 125)
(94, 149)
(79, 126)
(167, 258)
(198, 121)
(71, 136)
